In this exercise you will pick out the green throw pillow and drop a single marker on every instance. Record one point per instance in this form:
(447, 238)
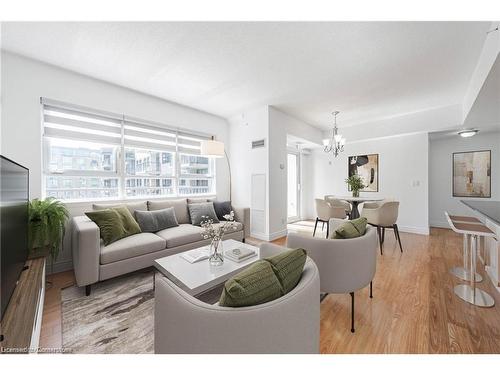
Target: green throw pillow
(253, 286)
(351, 229)
(288, 266)
(265, 280)
(129, 223)
(114, 224)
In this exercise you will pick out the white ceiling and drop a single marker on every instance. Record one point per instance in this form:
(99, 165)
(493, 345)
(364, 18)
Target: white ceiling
(367, 70)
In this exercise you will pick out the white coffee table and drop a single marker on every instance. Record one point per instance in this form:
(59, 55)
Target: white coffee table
(197, 278)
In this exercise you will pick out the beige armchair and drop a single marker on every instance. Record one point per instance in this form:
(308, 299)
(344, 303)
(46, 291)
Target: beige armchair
(290, 324)
(383, 215)
(324, 212)
(345, 265)
(339, 203)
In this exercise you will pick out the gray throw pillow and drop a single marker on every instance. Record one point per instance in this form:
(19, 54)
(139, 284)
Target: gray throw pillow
(154, 221)
(222, 208)
(200, 212)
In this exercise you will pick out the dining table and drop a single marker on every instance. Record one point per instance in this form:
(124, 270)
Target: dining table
(355, 201)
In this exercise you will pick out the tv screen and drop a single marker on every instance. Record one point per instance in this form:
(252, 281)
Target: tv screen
(14, 200)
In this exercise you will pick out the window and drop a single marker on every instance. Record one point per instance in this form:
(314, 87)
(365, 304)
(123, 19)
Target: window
(90, 155)
(195, 174)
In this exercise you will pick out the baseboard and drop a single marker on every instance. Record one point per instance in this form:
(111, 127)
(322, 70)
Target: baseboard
(59, 267)
(439, 224)
(270, 237)
(415, 230)
(279, 234)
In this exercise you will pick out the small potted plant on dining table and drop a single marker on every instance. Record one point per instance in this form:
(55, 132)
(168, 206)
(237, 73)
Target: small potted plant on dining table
(355, 183)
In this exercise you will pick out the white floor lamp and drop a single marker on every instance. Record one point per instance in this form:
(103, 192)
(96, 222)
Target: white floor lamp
(216, 149)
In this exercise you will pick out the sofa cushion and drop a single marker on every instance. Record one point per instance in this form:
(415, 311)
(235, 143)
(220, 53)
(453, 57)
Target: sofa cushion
(114, 223)
(265, 280)
(200, 212)
(222, 209)
(255, 285)
(198, 200)
(351, 229)
(131, 206)
(132, 246)
(288, 267)
(179, 205)
(154, 221)
(181, 235)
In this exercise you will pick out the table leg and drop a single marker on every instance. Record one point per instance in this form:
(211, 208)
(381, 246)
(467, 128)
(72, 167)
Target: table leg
(354, 211)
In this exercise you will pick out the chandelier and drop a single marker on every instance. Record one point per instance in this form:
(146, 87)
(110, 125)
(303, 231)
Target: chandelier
(336, 143)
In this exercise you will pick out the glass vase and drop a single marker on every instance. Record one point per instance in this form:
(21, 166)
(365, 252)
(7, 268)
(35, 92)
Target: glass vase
(216, 253)
(355, 193)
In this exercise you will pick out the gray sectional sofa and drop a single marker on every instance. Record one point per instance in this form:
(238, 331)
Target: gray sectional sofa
(95, 262)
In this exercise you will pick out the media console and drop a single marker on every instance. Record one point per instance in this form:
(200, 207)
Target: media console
(21, 324)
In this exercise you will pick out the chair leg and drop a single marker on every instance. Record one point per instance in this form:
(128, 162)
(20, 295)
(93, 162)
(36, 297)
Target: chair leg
(383, 234)
(315, 226)
(88, 288)
(380, 239)
(352, 312)
(327, 228)
(396, 233)
(371, 289)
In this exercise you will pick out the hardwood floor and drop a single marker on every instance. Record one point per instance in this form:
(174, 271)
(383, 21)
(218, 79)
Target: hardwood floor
(414, 309)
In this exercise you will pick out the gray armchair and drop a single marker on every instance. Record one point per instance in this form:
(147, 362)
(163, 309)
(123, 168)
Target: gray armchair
(345, 265)
(290, 324)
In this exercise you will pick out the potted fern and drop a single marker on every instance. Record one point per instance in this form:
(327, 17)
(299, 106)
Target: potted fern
(47, 219)
(355, 184)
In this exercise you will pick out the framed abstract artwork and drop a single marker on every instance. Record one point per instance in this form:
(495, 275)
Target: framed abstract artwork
(366, 166)
(472, 174)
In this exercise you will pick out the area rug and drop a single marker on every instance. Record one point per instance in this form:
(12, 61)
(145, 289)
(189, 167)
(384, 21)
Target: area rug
(116, 318)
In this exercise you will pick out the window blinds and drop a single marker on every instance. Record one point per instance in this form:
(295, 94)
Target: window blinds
(73, 124)
(62, 120)
(141, 135)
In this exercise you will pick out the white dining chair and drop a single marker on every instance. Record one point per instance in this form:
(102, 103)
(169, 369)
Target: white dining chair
(325, 212)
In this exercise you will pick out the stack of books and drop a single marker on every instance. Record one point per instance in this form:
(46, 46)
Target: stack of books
(239, 254)
(196, 255)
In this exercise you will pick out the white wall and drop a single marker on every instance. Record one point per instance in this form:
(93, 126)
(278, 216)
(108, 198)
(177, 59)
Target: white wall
(403, 175)
(440, 173)
(245, 161)
(24, 81)
(274, 126)
(280, 125)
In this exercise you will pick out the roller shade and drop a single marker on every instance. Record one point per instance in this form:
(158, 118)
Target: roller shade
(190, 143)
(137, 134)
(74, 124)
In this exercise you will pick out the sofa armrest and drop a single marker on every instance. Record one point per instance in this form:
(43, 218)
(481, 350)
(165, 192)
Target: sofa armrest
(242, 215)
(86, 249)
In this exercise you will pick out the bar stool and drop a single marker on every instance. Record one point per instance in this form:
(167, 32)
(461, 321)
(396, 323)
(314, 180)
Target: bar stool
(470, 293)
(463, 273)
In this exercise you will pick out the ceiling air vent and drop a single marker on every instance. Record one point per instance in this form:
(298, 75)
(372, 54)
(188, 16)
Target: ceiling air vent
(259, 143)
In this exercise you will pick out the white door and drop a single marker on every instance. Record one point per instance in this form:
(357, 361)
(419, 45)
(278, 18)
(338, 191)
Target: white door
(293, 187)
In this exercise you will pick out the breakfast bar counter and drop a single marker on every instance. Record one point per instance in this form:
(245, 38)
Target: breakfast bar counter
(489, 213)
